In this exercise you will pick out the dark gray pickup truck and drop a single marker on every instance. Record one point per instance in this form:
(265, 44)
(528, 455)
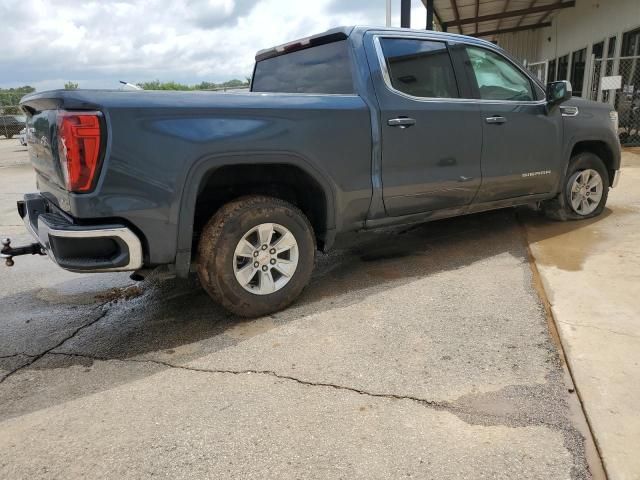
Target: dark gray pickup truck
(352, 129)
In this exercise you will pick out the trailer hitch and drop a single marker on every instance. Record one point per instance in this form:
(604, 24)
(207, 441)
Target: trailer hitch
(9, 252)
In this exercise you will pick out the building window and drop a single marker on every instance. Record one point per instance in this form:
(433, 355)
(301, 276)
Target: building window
(578, 59)
(563, 67)
(611, 51)
(631, 43)
(551, 74)
(598, 49)
(611, 47)
(629, 69)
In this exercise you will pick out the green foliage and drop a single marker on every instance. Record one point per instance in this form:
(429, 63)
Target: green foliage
(10, 97)
(158, 85)
(70, 86)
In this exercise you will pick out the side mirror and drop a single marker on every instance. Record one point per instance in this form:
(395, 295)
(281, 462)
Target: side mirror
(558, 92)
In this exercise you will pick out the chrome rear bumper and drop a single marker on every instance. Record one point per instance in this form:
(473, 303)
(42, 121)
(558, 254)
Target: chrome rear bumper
(80, 248)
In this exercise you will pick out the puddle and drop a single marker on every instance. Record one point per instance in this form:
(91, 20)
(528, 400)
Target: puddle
(567, 245)
(566, 250)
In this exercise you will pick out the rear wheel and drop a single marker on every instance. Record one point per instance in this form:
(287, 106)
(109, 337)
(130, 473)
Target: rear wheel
(585, 190)
(256, 255)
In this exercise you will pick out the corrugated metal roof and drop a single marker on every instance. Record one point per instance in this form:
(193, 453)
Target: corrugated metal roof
(469, 17)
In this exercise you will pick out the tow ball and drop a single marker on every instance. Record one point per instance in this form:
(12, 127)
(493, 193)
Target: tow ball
(9, 252)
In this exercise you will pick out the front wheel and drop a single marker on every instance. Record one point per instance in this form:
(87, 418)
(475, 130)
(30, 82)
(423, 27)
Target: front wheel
(585, 190)
(256, 255)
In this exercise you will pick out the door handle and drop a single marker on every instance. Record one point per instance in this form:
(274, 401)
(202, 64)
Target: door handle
(402, 122)
(496, 119)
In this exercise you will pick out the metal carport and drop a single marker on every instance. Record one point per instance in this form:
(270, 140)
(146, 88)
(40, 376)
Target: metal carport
(487, 18)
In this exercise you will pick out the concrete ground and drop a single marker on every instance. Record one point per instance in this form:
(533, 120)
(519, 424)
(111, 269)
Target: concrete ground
(422, 352)
(592, 277)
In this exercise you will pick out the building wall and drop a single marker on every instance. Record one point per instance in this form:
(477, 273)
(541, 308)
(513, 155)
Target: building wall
(589, 22)
(522, 45)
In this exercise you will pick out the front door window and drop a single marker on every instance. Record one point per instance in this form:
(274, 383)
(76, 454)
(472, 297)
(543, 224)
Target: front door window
(497, 78)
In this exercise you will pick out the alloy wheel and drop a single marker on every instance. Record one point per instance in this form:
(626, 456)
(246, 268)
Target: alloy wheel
(586, 191)
(265, 258)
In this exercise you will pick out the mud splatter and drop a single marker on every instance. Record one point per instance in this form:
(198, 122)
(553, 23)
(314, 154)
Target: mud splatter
(115, 294)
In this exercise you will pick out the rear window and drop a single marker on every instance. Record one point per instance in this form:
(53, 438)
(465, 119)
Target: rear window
(321, 69)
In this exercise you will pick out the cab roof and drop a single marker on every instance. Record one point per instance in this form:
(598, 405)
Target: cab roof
(344, 32)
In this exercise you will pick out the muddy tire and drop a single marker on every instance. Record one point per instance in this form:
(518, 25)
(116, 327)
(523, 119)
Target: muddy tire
(584, 190)
(248, 270)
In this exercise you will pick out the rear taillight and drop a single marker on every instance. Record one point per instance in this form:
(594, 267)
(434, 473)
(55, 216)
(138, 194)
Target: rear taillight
(79, 148)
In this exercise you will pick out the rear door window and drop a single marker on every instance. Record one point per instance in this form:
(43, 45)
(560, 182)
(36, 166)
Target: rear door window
(320, 69)
(420, 68)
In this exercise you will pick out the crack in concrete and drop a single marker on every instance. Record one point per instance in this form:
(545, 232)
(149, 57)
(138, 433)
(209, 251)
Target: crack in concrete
(390, 396)
(35, 358)
(466, 413)
(615, 332)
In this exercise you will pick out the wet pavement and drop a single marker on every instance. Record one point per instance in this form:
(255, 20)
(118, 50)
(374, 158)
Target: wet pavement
(592, 276)
(421, 352)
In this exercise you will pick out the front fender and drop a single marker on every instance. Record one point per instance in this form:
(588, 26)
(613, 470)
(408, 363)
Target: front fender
(593, 126)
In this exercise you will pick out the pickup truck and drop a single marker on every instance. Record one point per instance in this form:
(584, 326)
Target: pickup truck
(11, 125)
(352, 129)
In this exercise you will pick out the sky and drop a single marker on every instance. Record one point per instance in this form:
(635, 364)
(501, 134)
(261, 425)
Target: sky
(97, 43)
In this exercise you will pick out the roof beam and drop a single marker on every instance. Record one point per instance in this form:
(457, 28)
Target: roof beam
(512, 13)
(546, 15)
(506, 7)
(456, 13)
(521, 19)
(435, 14)
(477, 13)
(533, 26)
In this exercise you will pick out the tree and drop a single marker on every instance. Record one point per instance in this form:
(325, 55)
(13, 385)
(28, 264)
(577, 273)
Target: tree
(10, 97)
(158, 85)
(70, 86)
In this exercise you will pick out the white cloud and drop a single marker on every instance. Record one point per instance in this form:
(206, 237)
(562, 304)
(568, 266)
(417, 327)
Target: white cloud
(97, 43)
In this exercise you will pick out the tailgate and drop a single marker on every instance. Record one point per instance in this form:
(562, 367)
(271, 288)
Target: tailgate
(65, 145)
(42, 147)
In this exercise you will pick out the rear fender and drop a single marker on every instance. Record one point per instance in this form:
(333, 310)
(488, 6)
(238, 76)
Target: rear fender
(201, 168)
